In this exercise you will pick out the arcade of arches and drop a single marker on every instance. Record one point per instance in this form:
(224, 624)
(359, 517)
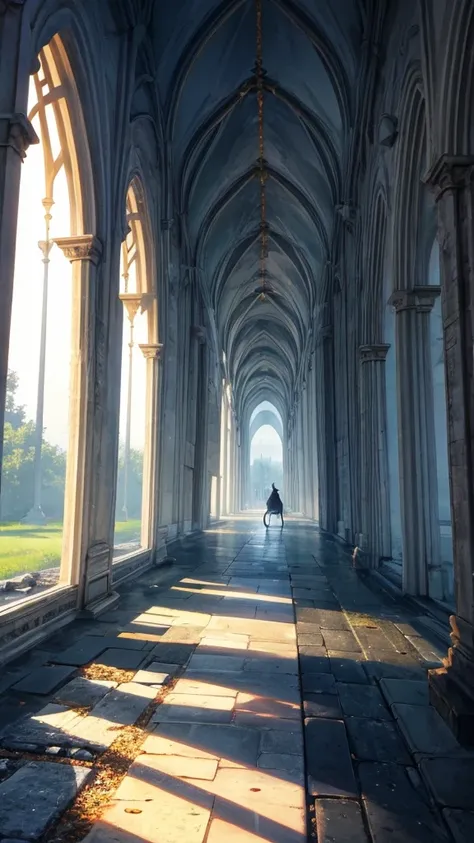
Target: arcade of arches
(248, 213)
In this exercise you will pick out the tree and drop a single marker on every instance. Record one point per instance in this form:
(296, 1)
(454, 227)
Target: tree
(14, 413)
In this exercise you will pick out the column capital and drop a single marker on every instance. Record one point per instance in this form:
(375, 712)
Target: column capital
(152, 350)
(450, 172)
(80, 247)
(21, 134)
(421, 299)
(377, 352)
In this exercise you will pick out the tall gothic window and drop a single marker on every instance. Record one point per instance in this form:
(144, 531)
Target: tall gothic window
(37, 430)
(132, 500)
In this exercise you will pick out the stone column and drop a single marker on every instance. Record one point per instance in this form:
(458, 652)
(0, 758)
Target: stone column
(16, 135)
(152, 353)
(201, 474)
(325, 430)
(452, 687)
(416, 438)
(375, 514)
(88, 561)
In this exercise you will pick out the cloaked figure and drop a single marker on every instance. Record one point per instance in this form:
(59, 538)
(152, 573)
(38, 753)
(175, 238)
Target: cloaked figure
(274, 502)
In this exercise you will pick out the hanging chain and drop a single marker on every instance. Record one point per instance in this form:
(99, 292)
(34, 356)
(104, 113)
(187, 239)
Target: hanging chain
(260, 75)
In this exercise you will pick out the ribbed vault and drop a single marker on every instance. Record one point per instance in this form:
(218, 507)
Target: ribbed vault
(209, 86)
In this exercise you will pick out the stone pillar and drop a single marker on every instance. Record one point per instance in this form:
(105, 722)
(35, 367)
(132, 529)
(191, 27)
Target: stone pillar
(325, 430)
(16, 135)
(416, 438)
(152, 353)
(201, 491)
(375, 538)
(88, 561)
(452, 687)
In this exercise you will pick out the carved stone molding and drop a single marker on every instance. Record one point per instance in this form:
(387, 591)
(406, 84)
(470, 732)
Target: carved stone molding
(152, 350)
(421, 299)
(20, 132)
(81, 247)
(375, 353)
(450, 172)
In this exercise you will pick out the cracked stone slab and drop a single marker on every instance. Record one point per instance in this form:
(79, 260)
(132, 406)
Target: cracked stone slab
(397, 806)
(339, 821)
(376, 740)
(43, 680)
(328, 760)
(35, 796)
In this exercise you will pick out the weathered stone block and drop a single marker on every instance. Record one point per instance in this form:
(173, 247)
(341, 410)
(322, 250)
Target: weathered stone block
(328, 760)
(35, 795)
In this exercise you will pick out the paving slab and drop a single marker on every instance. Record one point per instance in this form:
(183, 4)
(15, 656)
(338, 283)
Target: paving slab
(337, 639)
(451, 781)
(339, 821)
(322, 705)
(83, 693)
(53, 725)
(194, 708)
(363, 701)
(425, 731)
(397, 810)
(166, 818)
(347, 667)
(35, 796)
(405, 691)
(282, 743)
(121, 659)
(313, 660)
(151, 676)
(460, 824)
(172, 653)
(328, 760)
(43, 680)
(376, 740)
(318, 683)
(120, 707)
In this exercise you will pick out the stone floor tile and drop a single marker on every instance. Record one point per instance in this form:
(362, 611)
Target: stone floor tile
(120, 707)
(397, 811)
(276, 761)
(318, 683)
(347, 667)
(282, 743)
(253, 720)
(328, 760)
(227, 644)
(376, 740)
(35, 795)
(405, 691)
(221, 831)
(53, 725)
(215, 662)
(182, 767)
(363, 701)
(43, 680)
(276, 648)
(194, 708)
(121, 659)
(196, 685)
(83, 693)
(272, 665)
(405, 669)
(451, 781)
(267, 707)
(425, 731)
(460, 824)
(322, 705)
(86, 649)
(337, 639)
(164, 819)
(310, 640)
(339, 821)
(278, 824)
(240, 746)
(172, 653)
(256, 789)
(314, 660)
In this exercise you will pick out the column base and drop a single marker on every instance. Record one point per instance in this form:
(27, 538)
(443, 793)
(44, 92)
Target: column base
(105, 604)
(35, 516)
(456, 709)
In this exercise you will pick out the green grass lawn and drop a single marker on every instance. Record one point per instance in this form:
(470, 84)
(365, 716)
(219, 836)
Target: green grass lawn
(25, 548)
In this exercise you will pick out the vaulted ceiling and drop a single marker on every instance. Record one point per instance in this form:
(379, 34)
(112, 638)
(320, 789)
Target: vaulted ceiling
(310, 51)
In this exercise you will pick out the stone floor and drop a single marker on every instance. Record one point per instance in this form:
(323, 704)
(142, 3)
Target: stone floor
(257, 690)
